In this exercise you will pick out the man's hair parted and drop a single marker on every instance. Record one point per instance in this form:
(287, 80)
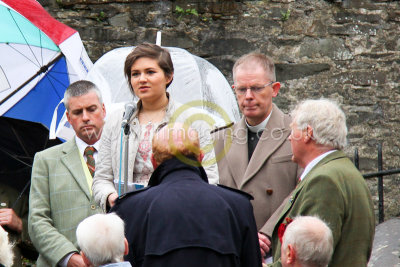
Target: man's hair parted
(80, 88)
(262, 60)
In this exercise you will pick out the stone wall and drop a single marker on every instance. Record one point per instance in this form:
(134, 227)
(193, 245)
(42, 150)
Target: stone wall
(348, 50)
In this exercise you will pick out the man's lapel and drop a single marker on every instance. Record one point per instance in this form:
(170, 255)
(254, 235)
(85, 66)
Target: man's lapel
(271, 139)
(237, 151)
(306, 179)
(71, 160)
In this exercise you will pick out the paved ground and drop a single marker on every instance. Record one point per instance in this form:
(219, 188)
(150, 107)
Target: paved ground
(386, 249)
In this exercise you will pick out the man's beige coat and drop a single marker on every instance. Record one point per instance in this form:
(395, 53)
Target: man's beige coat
(270, 175)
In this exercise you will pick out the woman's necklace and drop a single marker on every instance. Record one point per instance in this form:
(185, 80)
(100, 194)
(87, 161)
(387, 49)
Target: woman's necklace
(152, 117)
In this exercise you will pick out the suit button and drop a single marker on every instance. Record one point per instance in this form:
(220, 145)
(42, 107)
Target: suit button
(269, 191)
(93, 207)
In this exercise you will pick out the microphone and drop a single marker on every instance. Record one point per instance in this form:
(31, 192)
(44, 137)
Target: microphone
(129, 109)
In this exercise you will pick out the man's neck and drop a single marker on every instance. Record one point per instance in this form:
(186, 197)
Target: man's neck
(314, 152)
(259, 126)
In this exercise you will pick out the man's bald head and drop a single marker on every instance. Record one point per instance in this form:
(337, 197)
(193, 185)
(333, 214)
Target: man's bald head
(176, 140)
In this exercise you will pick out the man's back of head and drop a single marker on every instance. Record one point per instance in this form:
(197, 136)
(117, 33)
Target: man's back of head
(307, 242)
(327, 120)
(176, 140)
(101, 239)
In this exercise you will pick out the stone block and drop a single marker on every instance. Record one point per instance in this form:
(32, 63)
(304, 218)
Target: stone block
(225, 8)
(224, 65)
(220, 46)
(296, 71)
(177, 39)
(394, 15)
(385, 250)
(324, 47)
(73, 2)
(352, 17)
(121, 20)
(354, 29)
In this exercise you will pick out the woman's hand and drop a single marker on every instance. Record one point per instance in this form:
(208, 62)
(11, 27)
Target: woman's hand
(111, 199)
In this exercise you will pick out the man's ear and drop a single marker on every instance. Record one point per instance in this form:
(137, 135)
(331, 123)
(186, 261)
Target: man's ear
(291, 254)
(126, 246)
(66, 113)
(86, 260)
(309, 135)
(103, 107)
(275, 88)
(153, 161)
(201, 156)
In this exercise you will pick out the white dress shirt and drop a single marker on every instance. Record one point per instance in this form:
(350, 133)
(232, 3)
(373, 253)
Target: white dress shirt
(314, 162)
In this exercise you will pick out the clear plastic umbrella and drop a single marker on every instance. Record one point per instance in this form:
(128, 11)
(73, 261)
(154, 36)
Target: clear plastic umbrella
(196, 82)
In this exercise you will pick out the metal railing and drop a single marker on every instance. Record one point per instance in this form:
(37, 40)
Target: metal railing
(380, 173)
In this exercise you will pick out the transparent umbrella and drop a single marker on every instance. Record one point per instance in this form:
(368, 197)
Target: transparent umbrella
(196, 82)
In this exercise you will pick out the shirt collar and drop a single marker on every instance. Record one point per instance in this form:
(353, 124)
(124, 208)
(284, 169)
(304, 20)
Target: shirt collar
(82, 145)
(259, 127)
(314, 162)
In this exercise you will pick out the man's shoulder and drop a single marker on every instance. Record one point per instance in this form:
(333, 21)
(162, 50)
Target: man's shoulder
(222, 128)
(234, 192)
(130, 195)
(279, 115)
(55, 150)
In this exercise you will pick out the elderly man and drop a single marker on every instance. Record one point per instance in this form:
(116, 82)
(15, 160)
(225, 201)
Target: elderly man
(101, 238)
(307, 241)
(180, 220)
(60, 196)
(254, 155)
(331, 187)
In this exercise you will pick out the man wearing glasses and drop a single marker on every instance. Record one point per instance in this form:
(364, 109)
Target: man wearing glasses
(254, 155)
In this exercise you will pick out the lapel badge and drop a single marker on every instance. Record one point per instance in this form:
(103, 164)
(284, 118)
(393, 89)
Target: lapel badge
(291, 199)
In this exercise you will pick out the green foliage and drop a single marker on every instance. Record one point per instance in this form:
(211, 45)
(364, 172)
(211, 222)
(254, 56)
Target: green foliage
(101, 16)
(285, 15)
(185, 12)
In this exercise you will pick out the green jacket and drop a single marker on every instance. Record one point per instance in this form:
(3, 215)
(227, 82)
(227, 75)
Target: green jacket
(335, 191)
(59, 200)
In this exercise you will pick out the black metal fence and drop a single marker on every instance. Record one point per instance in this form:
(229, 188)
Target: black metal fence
(380, 173)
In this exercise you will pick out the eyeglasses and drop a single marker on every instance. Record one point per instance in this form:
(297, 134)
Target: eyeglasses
(253, 89)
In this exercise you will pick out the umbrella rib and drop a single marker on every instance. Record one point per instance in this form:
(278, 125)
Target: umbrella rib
(21, 194)
(42, 70)
(41, 47)
(23, 55)
(59, 72)
(19, 139)
(52, 85)
(15, 157)
(26, 42)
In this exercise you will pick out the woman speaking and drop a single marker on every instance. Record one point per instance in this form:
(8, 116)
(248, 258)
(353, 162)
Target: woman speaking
(150, 71)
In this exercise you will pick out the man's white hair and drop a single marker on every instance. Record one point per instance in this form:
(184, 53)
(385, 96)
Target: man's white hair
(311, 239)
(325, 118)
(6, 253)
(101, 238)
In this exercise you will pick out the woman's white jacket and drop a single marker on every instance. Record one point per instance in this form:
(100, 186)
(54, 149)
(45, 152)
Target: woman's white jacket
(108, 161)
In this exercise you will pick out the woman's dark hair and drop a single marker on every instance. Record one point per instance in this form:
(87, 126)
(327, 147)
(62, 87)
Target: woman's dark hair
(152, 51)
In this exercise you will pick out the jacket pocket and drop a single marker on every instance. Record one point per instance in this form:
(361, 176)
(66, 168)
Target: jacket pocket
(281, 159)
